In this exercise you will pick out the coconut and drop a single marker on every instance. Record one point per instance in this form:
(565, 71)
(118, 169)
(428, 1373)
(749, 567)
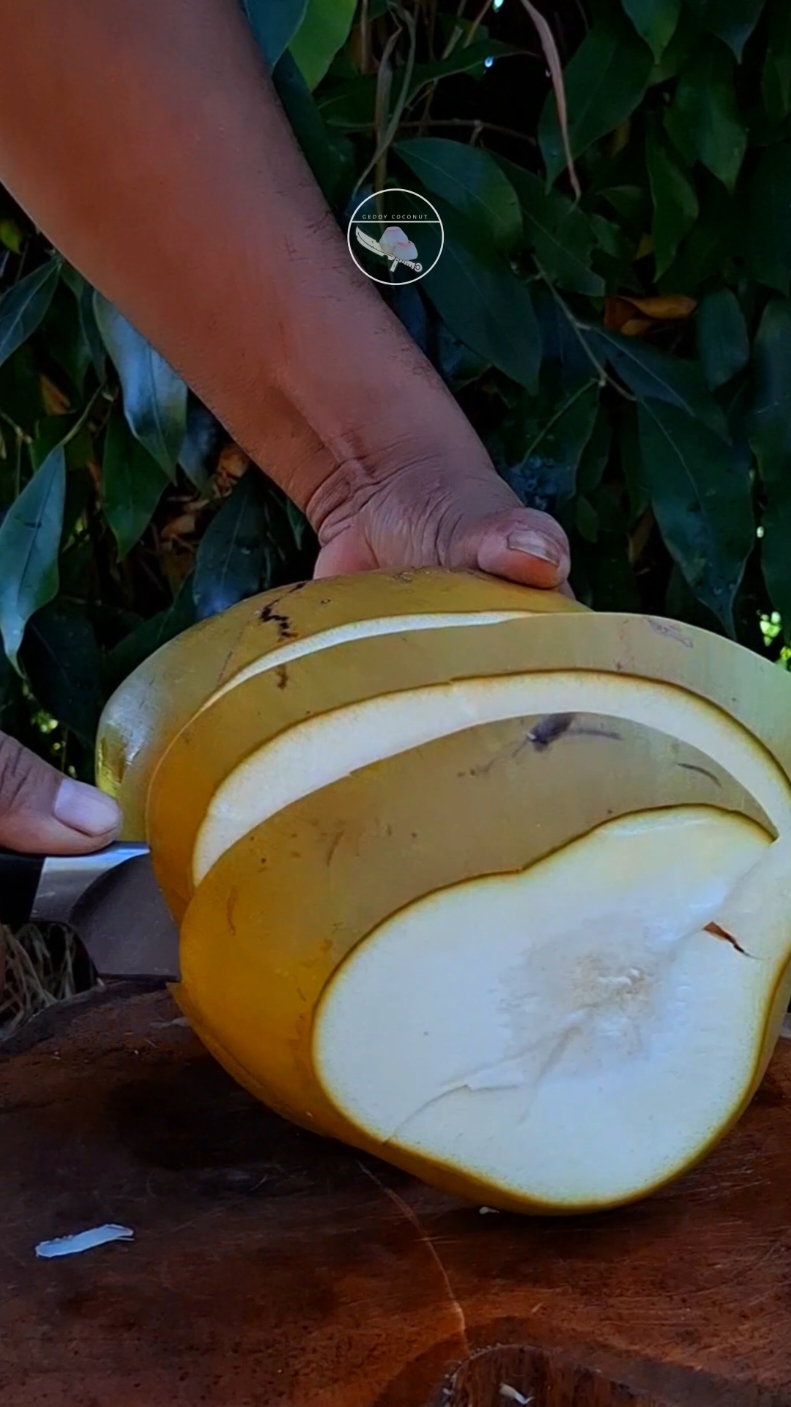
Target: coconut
(574, 952)
(268, 632)
(285, 732)
(482, 883)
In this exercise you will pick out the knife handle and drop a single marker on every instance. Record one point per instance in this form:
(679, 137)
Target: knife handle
(20, 876)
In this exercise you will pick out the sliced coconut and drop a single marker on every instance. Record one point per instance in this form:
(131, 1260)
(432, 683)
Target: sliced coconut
(357, 630)
(574, 1035)
(168, 688)
(322, 749)
(280, 911)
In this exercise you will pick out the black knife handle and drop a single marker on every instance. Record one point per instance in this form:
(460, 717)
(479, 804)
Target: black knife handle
(20, 876)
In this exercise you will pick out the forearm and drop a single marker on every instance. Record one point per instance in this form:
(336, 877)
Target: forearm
(146, 141)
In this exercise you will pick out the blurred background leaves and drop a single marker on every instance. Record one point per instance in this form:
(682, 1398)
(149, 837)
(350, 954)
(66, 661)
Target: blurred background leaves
(624, 355)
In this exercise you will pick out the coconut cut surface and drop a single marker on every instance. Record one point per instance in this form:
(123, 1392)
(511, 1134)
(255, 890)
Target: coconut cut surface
(574, 1034)
(357, 630)
(159, 698)
(321, 750)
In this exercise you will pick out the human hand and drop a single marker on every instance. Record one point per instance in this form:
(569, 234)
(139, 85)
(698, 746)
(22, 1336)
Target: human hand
(449, 508)
(45, 813)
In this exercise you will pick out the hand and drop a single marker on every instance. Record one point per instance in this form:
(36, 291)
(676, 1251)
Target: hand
(45, 813)
(428, 515)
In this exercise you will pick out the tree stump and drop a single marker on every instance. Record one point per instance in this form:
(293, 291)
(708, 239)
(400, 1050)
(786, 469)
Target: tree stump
(273, 1269)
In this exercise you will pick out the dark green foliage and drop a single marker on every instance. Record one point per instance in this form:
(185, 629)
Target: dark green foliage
(657, 431)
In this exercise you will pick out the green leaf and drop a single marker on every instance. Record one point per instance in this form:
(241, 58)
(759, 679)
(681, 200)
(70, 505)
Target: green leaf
(149, 635)
(723, 340)
(565, 356)
(769, 215)
(330, 160)
(686, 38)
(561, 235)
(11, 236)
(470, 180)
(770, 437)
(132, 484)
(350, 105)
(596, 454)
(29, 543)
(605, 81)
(603, 575)
(23, 307)
(701, 497)
(69, 430)
(12, 702)
(274, 24)
(62, 663)
(554, 433)
(20, 389)
(704, 120)
(674, 197)
(64, 338)
(238, 554)
(323, 31)
(654, 375)
(632, 464)
(201, 445)
(484, 303)
(155, 398)
(83, 294)
(716, 236)
(776, 79)
(655, 21)
(732, 20)
(457, 365)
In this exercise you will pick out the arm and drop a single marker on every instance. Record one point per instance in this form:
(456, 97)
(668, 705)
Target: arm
(146, 140)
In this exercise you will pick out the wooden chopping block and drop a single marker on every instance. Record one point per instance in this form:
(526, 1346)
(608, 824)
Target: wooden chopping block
(272, 1269)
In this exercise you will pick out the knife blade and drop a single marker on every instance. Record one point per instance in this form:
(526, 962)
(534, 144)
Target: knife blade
(110, 898)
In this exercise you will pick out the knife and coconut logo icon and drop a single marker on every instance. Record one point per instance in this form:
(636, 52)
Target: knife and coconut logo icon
(393, 245)
(395, 236)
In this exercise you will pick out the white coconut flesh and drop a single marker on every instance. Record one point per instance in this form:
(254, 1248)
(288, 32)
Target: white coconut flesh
(572, 1034)
(358, 630)
(321, 750)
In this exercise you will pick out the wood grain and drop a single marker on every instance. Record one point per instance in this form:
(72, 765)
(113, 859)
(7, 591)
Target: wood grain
(272, 1269)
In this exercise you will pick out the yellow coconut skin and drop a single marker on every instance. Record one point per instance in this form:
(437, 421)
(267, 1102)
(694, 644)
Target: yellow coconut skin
(257, 711)
(272, 923)
(269, 926)
(152, 706)
(243, 719)
(274, 919)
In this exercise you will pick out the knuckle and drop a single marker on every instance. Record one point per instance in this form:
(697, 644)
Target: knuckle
(16, 768)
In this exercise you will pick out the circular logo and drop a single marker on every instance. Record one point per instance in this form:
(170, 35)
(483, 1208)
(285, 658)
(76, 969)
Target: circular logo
(395, 236)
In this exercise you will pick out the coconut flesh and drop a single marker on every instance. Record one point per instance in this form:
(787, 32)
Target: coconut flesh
(522, 929)
(612, 1023)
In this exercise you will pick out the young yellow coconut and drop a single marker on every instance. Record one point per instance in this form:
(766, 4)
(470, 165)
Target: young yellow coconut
(484, 981)
(283, 733)
(270, 631)
(456, 880)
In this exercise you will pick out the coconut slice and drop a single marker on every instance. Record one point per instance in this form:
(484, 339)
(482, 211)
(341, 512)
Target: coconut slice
(279, 734)
(574, 1035)
(320, 750)
(275, 918)
(266, 632)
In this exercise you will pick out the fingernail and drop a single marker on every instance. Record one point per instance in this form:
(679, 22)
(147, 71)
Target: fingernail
(535, 545)
(83, 808)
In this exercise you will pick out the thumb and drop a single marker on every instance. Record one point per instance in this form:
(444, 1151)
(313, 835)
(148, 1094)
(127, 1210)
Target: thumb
(43, 812)
(520, 544)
